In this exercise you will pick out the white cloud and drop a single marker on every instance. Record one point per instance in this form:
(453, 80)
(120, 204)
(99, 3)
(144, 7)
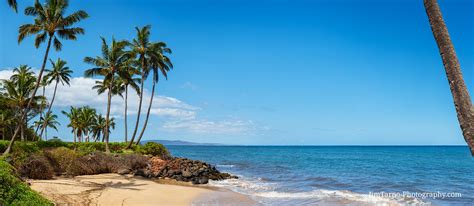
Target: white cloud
(178, 115)
(225, 127)
(80, 93)
(5, 74)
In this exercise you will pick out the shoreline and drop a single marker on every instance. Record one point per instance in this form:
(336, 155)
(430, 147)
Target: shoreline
(115, 189)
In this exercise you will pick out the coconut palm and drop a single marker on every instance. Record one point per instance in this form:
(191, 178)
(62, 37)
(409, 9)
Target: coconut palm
(60, 73)
(73, 116)
(18, 94)
(44, 84)
(462, 100)
(48, 121)
(127, 80)
(113, 58)
(98, 127)
(87, 117)
(159, 62)
(49, 25)
(141, 47)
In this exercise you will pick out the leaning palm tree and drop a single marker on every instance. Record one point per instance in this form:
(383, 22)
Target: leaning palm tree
(60, 73)
(141, 47)
(48, 121)
(44, 84)
(113, 58)
(462, 100)
(159, 62)
(49, 24)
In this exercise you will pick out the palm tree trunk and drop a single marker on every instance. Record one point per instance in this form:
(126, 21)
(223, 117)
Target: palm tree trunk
(75, 135)
(41, 113)
(147, 113)
(50, 106)
(23, 115)
(462, 100)
(139, 111)
(126, 114)
(109, 99)
(22, 132)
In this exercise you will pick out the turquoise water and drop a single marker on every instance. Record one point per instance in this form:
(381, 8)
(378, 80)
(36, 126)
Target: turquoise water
(339, 175)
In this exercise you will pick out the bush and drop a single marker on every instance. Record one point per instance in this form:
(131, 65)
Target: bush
(94, 163)
(3, 145)
(15, 192)
(52, 143)
(21, 151)
(61, 158)
(36, 166)
(99, 162)
(154, 149)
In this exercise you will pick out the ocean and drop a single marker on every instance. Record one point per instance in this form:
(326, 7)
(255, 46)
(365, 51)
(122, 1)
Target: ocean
(343, 175)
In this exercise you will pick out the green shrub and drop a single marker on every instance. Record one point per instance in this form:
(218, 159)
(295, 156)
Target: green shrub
(36, 166)
(154, 149)
(22, 150)
(3, 145)
(15, 192)
(52, 143)
(61, 158)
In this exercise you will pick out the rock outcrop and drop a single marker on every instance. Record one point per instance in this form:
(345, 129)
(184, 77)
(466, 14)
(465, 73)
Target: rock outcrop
(182, 169)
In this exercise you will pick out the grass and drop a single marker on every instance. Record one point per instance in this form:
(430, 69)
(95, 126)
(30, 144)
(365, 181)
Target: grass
(13, 191)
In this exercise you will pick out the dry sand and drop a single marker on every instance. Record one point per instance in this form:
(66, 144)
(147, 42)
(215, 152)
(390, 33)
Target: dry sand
(114, 189)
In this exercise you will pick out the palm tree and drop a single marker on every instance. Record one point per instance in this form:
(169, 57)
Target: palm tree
(87, 117)
(141, 47)
(113, 58)
(127, 79)
(462, 100)
(73, 117)
(44, 84)
(98, 127)
(18, 94)
(158, 61)
(49, 24)
(49, 120)
(59, 74)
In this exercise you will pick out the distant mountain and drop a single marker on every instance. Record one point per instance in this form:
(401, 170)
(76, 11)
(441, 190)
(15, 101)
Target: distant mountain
(178, 142)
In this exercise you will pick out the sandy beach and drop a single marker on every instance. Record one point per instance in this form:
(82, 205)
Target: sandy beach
(114, 189)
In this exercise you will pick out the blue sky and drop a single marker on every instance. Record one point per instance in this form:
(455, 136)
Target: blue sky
(276, 72)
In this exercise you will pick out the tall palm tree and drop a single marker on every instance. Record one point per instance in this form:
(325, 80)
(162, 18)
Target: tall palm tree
(126, 78)
(141, 47)
(113, 58)
(44, 84)
(159, 62)
(49, 24)
(49, 120)
(60, 73)
(462, 100)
